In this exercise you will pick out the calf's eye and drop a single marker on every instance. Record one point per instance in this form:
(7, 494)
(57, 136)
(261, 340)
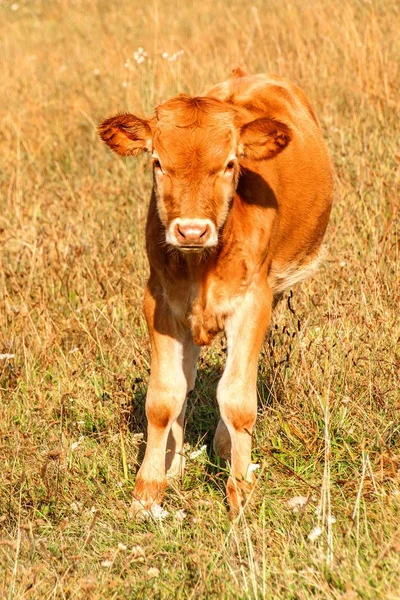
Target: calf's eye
(156, 164)
(230, 165)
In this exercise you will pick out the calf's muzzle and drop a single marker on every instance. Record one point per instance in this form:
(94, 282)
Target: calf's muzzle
(192, 234)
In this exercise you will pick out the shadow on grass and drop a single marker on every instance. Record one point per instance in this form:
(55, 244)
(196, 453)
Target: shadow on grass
(202, 413)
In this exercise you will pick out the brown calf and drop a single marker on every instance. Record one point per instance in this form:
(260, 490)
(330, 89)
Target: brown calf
(242, 191)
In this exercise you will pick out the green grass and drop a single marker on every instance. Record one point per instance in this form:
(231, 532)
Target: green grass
(72, 271)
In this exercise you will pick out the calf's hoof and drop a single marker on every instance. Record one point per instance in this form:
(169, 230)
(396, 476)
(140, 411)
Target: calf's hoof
(239, 494)
(147, 497)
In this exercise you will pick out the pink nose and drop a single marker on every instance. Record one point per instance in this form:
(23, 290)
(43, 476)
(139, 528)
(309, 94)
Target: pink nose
(192, 233)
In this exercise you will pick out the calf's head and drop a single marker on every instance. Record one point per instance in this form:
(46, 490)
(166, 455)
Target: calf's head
(195, 145)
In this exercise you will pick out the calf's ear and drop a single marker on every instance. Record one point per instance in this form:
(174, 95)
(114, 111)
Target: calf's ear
(264, 138)
(127, 135)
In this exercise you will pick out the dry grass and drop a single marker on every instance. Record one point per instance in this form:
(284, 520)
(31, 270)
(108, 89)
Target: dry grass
(71, 277)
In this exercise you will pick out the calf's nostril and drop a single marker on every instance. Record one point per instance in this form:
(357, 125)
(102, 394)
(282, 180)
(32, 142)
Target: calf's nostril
(181, 233)
(206, 229)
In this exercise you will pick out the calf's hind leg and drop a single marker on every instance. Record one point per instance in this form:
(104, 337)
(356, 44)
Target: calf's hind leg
(222, 441)
(175, 461)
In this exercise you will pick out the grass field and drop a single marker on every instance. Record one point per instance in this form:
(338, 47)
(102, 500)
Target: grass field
(74, 352)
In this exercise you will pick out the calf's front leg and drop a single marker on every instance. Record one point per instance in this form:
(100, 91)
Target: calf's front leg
(172, 375)
(237, 390)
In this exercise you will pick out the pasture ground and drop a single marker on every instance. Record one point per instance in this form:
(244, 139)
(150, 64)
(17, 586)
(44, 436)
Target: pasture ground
(71, 277)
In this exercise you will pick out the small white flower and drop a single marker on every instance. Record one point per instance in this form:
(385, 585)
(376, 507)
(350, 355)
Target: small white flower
(197, 453)
(253, 467)
(76, 445)
(138, 552)
(107, 563)
(158, 512)
(173, 57)
(331, 519)
(314, 534)
(343, 263)
(155, 512)
(153, 572)
(181, 514)
(76, 507)
(97, 73)
(122, 547)
(140, 55)
(297, 502)
(14, 7)
(124, 84)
